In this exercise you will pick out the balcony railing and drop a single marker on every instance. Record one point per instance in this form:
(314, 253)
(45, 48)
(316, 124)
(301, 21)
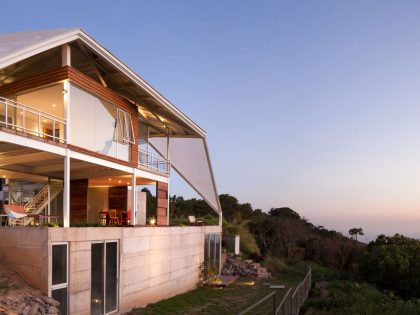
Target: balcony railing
(154, 162)
(30, 120)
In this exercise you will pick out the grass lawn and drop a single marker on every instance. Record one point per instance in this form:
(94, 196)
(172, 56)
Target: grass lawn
(230, 300)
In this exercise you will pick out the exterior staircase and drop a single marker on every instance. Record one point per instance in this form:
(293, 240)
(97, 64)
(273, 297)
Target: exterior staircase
(37, 203)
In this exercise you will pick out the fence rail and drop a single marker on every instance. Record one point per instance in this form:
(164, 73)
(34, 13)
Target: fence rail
(289, 305)
(31, 120)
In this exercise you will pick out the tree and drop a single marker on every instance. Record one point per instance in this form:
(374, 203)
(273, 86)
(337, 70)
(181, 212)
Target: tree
(393, 263)
(356, 231)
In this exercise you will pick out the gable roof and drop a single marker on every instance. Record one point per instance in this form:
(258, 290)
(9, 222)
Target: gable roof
(15, 47)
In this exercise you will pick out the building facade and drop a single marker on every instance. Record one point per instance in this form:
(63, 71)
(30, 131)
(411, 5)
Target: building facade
(80, 135)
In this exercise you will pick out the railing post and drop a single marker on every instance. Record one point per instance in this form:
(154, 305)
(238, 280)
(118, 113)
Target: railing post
(39, 124)
(274, 304)
(5, 114)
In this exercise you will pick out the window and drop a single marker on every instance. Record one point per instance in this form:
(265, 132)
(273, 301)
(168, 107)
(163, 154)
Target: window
(104, 278)
(212, 251)
(124, 132)
(59, 288)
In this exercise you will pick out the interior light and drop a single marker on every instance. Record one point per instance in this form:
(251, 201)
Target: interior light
(54, 105)
(109, 179)
(128, 183)
(152, 221)
(4, 176)
(119, 182)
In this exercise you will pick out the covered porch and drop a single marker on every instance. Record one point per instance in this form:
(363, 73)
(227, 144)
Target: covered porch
(74, 189)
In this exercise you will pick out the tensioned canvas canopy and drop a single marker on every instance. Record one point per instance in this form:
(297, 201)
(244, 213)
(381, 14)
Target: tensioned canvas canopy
(21, 53)
(190, 158)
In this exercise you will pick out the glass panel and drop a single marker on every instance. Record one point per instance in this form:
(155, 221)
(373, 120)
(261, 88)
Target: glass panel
(217, 252)
(111, 277)
(12, 115)
(2, 112)
(61, 296)
(59, 264)
(206, 248)
(97, 279)
(47, 127)
(143, 136)
(31, 122)
(212, 251)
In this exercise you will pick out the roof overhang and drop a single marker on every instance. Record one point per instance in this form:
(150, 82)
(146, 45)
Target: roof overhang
(68, 36)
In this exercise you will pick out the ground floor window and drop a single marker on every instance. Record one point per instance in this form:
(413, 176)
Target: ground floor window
(104, 278)
(212, 252)
(59, 288)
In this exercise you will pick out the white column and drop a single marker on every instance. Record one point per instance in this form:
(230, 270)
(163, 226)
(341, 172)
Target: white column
(167, 157)
(133, 198)
(65, 55)
(66, 191)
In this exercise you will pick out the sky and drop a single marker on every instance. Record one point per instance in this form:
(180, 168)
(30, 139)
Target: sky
(314, 105)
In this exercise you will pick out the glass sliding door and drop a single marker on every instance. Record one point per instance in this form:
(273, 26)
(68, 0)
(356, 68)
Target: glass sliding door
(212, 252)
(59, 276)
(97, 279)
(104, 286)
(111, 287)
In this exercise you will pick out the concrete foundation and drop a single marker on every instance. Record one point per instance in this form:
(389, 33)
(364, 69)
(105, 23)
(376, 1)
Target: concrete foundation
(154, 262)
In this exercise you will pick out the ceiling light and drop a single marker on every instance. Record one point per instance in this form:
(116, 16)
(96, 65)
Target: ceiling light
(4, 176)
(109, 179)
(119, 182)
(54, 105)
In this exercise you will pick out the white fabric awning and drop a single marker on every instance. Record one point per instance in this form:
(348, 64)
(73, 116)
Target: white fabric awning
(191, 159)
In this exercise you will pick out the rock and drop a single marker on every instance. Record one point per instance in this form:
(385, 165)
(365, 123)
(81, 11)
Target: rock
(40, 302)
(41, 310)
(34, 308)
(26, 310)
(53, 310)
(50, 301)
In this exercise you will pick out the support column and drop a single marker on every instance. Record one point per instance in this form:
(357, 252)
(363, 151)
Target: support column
(66, 191)
(133, 198)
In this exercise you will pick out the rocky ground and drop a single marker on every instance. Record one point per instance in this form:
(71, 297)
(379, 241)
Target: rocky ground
(17, 297)
(246, 268)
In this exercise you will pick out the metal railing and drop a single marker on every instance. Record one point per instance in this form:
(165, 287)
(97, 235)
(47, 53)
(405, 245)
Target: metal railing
(30, 120)
(289, 305)
(154, 162)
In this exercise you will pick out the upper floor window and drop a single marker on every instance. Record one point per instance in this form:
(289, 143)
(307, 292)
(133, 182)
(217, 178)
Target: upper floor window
(124, 132)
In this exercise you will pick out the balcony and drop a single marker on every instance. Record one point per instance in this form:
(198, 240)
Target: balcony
(154, 162)
(23, 118)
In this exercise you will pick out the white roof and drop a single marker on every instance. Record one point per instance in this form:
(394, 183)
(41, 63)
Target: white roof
(16, 47)
(12, 43)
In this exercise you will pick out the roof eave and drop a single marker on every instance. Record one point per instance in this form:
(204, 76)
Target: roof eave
(76, 34)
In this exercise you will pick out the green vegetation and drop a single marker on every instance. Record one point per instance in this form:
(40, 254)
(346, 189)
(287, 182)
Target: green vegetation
(229, 300)
(349, 277)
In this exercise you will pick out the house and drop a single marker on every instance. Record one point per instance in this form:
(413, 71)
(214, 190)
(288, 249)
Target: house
(80, 135)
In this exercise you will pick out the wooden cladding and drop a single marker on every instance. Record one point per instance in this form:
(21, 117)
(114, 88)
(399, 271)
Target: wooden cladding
(82, 81)
(34, 82)
(78, 200)
(162, 203)
(117, 198)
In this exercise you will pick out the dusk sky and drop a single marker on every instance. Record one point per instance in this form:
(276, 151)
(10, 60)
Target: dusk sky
(313, 105)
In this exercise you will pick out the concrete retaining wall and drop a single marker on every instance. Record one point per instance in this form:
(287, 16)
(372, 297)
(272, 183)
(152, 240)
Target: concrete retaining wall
(155, 262)
(25, 250)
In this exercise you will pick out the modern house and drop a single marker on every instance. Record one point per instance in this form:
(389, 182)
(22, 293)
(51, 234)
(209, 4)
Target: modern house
(80, 135)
